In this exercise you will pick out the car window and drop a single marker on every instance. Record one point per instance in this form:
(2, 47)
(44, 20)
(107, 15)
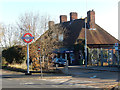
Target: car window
(59, 60)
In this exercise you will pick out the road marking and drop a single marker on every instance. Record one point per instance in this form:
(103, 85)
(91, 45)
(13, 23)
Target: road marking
(27, 83)
(93, 76)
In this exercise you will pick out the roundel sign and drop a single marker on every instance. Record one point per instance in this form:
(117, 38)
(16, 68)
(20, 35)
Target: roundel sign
(39, 49)
(27, 37)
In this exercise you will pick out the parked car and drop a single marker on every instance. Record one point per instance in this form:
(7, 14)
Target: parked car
(59, 62)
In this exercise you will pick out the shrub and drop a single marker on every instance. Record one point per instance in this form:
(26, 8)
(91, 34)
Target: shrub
(15, 54)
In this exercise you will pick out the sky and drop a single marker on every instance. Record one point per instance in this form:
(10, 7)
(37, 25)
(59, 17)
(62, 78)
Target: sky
(106, 11)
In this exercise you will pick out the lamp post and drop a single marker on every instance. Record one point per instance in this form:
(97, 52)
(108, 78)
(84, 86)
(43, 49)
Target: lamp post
(86, 39)
(85, 44)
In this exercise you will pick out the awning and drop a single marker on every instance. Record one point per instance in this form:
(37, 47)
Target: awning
(63, 50)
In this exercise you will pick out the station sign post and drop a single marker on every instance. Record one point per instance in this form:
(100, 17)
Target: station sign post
(117, 49)
(27, 38)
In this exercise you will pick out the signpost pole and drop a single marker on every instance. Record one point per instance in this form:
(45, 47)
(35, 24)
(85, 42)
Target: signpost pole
(41, 65)
(28, 58)
(101, 57)
(118, 56)
(66, 67)
(117, 49)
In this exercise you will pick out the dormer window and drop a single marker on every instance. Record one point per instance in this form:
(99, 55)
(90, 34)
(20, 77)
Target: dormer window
(54, 35)
(60, 37)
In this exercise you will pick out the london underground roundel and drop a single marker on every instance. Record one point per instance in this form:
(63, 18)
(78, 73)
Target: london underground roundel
(27, 37)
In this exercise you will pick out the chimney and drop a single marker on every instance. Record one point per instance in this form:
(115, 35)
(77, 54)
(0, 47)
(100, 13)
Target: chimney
(63, 18)
(91, 19)
(73, 16)
(50, 24)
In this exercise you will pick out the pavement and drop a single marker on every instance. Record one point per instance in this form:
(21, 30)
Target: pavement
(98, 68)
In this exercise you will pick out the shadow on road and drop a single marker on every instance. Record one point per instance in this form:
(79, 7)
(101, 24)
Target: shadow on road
(13, 69)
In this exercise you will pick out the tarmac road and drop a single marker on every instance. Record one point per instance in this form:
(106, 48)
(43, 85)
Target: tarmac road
(84, 79)
(18, 80)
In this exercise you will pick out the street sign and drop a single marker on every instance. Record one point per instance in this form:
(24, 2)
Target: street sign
(27, 37)
(39, 49)
(68, 51)
(116, 46)
(117, 49)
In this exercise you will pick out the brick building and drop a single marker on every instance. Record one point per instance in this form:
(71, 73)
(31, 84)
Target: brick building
(68, 37)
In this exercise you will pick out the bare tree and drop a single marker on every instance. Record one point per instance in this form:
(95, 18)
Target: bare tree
(4, 36)
(44, 23)
(8, 38)
(10, 35)
(52, 39)
(1, 34)
(32, 23)
(28, 23)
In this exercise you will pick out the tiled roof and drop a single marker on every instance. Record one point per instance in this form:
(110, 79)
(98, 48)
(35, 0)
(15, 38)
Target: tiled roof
(76, 31)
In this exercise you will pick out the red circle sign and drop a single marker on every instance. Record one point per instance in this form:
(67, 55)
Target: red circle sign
(30, 37)
(39, 49)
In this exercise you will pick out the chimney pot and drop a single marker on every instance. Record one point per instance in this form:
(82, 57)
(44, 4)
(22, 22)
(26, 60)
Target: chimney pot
(91, 18)
(51, 24)
(63, 18)
(73, 16)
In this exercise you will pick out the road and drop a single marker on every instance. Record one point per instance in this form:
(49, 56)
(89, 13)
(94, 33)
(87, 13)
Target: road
(85, 79)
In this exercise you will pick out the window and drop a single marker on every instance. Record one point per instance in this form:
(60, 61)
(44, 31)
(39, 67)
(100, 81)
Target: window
(54, 35)
(60, 37)
(45, 37)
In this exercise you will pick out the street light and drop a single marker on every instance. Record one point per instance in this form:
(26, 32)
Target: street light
(86, 39)
(85, 44)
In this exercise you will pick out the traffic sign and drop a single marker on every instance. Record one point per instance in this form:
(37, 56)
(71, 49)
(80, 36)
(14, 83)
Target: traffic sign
(68, 51)
(116, 46)
(39, 49)
(27, 37)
